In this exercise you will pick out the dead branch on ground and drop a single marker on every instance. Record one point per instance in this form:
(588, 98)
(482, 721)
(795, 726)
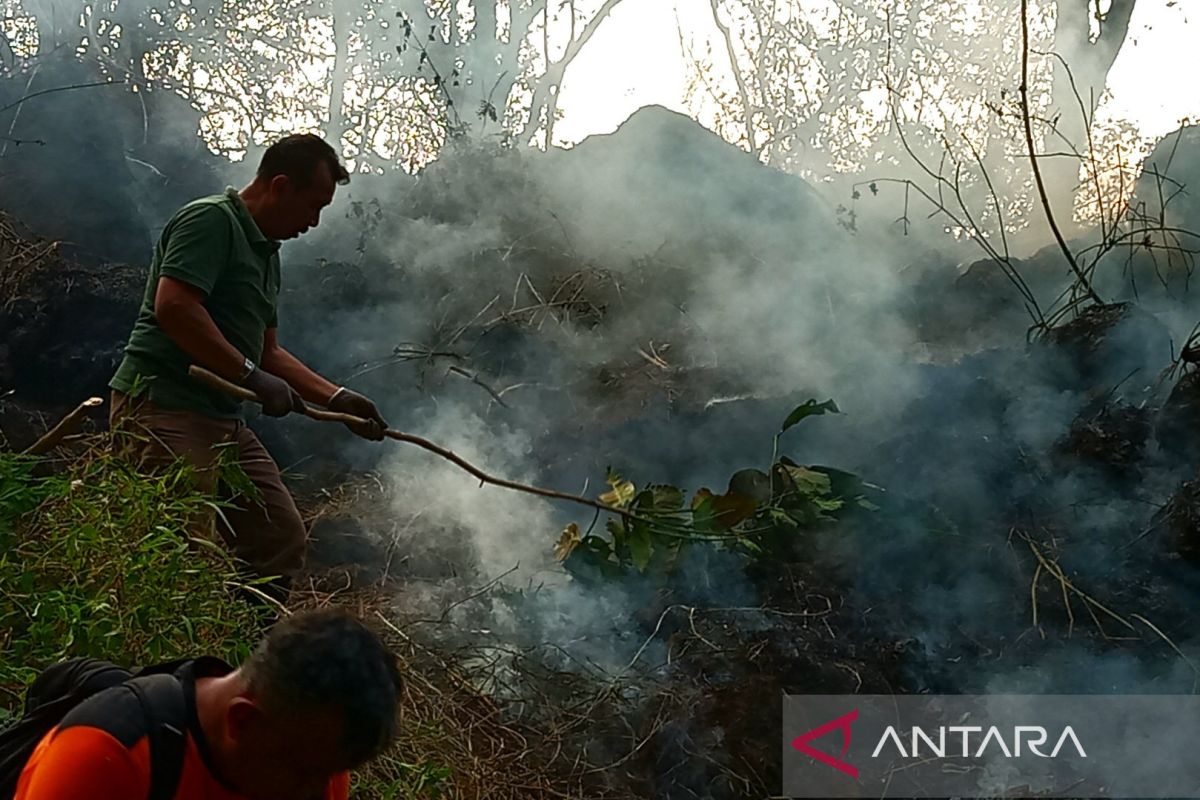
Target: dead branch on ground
(67, 426)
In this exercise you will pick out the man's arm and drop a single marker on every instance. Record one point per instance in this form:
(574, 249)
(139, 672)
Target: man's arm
(179, 309)
(189, 269)
(278, 361)
(315, 389)
(192, 259)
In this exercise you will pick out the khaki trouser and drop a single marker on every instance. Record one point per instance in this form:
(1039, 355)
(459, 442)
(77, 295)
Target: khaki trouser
(266, 532)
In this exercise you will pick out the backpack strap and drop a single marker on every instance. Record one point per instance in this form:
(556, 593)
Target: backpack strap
(52, 695)
(162, 701)
(166, 667)
(71, 681)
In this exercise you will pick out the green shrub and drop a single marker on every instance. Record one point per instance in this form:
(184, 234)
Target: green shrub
(95, 562)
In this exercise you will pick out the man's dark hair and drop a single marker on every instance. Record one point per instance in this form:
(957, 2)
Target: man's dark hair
(297, 156)
(329, 660)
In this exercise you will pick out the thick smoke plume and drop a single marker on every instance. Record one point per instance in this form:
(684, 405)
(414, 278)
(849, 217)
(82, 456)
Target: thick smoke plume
(740, 278)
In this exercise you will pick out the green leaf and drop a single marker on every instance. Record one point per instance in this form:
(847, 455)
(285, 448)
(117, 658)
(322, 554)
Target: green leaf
(753, 483)
(703, 511)
(665, 555)
(807, 409)
(640, 546)
(666, 498)
(845, 484)
(750, 546)
(616, 529)
(851, 488)
(828, 504)
(592, 558)
(732, 509)
(778, 516)
(808, 482)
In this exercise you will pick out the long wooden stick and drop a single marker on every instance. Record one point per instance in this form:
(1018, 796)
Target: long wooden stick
(324, 415)
(65, 427)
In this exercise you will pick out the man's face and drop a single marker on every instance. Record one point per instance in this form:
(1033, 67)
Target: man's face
(289, 756)
(295, 209)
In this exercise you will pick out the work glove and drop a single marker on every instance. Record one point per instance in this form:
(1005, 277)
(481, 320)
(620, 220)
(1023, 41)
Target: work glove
(277, 397)
(345, 401)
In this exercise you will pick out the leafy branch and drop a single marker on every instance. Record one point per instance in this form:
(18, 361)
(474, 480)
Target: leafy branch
(759, 513)
(455, 126)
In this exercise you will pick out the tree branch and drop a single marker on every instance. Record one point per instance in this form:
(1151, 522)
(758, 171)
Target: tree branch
(555, 71)
(743, 92)
(1033, 159)
(66, 426)
(41, 92)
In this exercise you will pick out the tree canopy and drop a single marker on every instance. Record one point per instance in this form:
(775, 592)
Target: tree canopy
(827, 89)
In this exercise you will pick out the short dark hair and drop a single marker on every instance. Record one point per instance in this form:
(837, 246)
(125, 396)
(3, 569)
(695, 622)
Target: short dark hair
(327, 659)
(297, 156)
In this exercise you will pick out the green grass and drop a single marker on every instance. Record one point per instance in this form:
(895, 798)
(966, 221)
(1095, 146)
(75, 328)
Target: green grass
(391, 778)
(94, 562)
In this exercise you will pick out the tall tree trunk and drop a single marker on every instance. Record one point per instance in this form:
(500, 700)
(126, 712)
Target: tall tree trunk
(58, 24)
(479, 71)
(343, 22)
(747, 116)
(1089, 63)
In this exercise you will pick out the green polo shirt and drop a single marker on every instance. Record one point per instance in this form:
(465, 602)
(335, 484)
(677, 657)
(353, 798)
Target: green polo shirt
(213, 244)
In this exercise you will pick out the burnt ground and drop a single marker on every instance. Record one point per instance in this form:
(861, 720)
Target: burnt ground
(62, 327)
(1024, 591)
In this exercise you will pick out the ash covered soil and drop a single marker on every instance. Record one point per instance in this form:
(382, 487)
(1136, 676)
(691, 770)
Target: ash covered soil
(655, 303)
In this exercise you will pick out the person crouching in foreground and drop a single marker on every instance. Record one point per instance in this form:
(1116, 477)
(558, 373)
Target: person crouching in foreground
(317, 698)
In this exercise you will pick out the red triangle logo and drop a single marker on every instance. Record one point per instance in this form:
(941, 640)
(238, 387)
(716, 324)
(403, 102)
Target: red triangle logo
(842, 723)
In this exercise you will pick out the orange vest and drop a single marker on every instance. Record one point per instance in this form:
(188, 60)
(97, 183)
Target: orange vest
(103, 753)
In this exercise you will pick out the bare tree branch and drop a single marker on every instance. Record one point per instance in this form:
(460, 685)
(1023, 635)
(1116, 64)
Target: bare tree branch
(1033, 160)
(739, 78)
(553, 76)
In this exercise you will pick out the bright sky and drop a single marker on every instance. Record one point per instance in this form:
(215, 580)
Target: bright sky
(1156, 77)
(635, 60)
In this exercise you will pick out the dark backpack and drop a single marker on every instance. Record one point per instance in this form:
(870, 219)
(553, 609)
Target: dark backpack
(63, 686)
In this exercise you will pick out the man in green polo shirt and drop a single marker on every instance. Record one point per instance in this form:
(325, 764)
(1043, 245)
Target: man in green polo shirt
(211, 299)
